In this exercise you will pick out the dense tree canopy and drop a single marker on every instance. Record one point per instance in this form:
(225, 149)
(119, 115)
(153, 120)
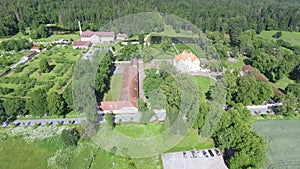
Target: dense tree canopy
(225, 16)
(13, 107)
(37, 105)
(44, 66)
(56, 104)
(243, 147)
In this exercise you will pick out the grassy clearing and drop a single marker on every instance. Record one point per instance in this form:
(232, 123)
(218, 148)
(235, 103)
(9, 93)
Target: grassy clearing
(235, 65)
(191, 141)
(291, 37)
(139, 130)
(204, 82)
(169, 31)
(56, 37)
(19, 154)
(283, 83)
(283, 138)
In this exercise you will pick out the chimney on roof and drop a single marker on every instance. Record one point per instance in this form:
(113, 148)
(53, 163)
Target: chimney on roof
(80, 31)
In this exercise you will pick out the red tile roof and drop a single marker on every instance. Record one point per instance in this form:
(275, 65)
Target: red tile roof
(35, 47)
(247, 68)
(129, 91)
(89, 33)
(184, 55)
(122, 35)
(80, 43)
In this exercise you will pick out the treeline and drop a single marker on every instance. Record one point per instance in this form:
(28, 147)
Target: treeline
(243, 148)
(228, 16)
(39, 104)
(16, 45)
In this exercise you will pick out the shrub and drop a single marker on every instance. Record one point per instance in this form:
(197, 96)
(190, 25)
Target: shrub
(70, 137)
(277, 35)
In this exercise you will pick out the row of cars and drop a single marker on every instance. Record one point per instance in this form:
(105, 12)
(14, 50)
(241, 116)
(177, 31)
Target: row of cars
(203, 153)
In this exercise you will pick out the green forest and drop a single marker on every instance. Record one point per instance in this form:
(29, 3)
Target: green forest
(228, 16)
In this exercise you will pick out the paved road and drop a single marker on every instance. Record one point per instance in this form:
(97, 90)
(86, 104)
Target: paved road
(160, 115)
(45, 121)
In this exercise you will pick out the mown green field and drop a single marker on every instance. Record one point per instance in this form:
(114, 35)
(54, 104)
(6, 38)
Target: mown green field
(204, 83)
(51, 153)
(291, 37)
(283, 147)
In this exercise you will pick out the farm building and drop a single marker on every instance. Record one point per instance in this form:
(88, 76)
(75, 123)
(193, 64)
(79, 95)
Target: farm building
(129, 93)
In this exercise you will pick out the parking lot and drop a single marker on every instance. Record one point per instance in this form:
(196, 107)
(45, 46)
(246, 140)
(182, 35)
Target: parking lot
(194, 159)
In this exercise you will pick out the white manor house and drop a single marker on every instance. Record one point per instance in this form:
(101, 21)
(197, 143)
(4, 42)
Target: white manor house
(187, 62)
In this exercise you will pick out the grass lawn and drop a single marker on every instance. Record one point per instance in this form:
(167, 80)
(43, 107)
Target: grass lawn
(16, 153)
(235, 65)
(116, 85)
(158, 53)
(191, 141)
(56, 37)
(283, 83)
(204, 82)
(139, 130)
(291, 37)
(169, 31)
(283, 138)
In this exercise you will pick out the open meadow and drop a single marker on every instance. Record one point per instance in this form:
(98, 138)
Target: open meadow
(42, 147)
(283, 147)
(291, 37)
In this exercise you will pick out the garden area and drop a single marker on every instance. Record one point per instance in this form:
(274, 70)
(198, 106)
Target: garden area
(30, 78)
(283, 138)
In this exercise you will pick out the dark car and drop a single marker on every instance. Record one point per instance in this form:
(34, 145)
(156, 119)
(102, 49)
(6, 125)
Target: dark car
(184, 155)
(217, 152)
(205, 153)
(194, 154)
(211, 153)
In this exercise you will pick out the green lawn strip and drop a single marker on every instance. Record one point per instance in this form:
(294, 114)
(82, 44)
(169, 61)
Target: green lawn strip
(116, 86)
(10, 85)
(283, 138)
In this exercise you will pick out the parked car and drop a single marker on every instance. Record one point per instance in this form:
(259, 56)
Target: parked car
(211, 153)
(184, 154)
(217, 152)
(205, 153)
(194, 154)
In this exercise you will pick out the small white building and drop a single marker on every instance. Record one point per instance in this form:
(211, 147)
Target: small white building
(187, 62)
